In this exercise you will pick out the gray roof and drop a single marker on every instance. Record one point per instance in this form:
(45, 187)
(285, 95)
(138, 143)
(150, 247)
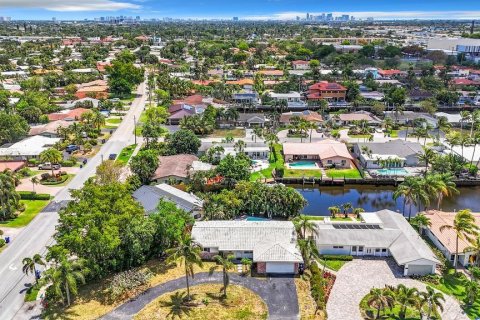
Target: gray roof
(394, 232)
(397, 147)
(251, 117)
(208, 144)
(268, 240)
(150, 196)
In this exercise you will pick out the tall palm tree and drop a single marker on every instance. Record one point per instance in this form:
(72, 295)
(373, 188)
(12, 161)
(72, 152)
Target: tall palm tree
(9, 198)
(303, 225)
(406, 297)
(29, 265)
(257, 132)
(187, 252)
(380, 299)
(65, 276)
(421, 220)
(311, 126)
(226, 264)
(34, 180)
(475, 119)
(308, 250)
(432, 300)
(426, 156)
(239, 146)
(334, 210)
(411, 189)
(447, 189)
(464, 117)
(51, 155)
(443, 125)
(464, 227)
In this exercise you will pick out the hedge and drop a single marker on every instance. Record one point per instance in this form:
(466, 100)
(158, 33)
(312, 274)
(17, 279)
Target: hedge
(2, 243)
(337, 257)
(28, 195)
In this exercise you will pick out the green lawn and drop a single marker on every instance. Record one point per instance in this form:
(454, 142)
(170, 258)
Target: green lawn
(394, 133)
(32, 208)
(126, 153)
(31, 294)
(315, 218)
(343, 173)
(334, 265)
(223, 133)
(297, 173)
(267, 173)
(113, 121)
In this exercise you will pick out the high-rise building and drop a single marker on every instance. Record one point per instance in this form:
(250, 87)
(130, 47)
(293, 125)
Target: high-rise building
(329, 17)
(308, 16)
(235, 18)
(137, 18)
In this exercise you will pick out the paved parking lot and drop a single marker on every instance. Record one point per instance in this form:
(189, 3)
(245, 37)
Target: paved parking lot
(356, 278)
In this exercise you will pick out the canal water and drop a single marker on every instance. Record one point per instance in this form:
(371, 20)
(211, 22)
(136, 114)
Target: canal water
(373, 198)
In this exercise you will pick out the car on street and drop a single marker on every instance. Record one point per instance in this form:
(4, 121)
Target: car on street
(72, 147)
(112, 156)
(49, 166)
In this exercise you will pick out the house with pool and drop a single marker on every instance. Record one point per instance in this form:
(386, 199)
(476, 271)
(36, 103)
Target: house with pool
(323, 154)
(393, 157)
(384, 233)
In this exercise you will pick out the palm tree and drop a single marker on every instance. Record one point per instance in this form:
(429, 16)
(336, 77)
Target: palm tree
(464, 227)
(433, 301)
(178, 305)
(303, 225)
(65, 276)
(311, 126)
(464, 117)
(380, 299)
(443, 125)
(447, 189)
(308, 250)
(346, 206)
(257, 132)
(411, 189)
(29, 265)
(357, 211)
(426, 156)
(9, 198)
(472, 288)
(421, 220)
(51, 155)
(334, 210)
(475, 119)
(187, 253)
(226, 264)
(406, 297)
(239, 146)
(34, 181)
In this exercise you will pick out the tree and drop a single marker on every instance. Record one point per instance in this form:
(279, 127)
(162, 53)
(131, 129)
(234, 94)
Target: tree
(226, 264)
(432, 300)
(421, 220)
(34, 180)
(109, 171)
(29, 265)
(144, 164)
(472, 288)
(308, 250)
(406, 297)
(51, 155)
(12, 127)
(303, 225)
(380, 299)
(334, 210)
(187, 253)
(464, 227)
(234, 169)
(9, 197)
(257, 132)
(183, 142)
(426, 156)
(123, 75)
(178, 305)
(413, 193)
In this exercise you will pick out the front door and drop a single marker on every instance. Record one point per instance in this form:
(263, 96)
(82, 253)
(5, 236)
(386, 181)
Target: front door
(369, 251)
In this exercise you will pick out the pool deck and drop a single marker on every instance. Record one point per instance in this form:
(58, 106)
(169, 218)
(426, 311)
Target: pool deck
(308, 167)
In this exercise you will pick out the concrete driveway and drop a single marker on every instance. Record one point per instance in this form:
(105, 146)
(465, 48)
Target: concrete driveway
(279, 294)
(356, 278)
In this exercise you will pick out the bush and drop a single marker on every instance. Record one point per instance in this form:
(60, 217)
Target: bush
(337, 257)
(45, 176)
(32, 162)
(126, 281)
(27, 195)
(69, 163)
(2, 243)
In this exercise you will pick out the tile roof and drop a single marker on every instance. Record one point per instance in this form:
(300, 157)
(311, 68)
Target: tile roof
(325, 149)
(11, 165)
(307, 115)
(324, 86)
(73, 114)
(50, 127)
(176, 165)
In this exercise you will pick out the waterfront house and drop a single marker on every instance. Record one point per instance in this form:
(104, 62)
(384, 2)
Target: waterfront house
(326, 90)
(445, 240)
(329, 153)
(150, 196)
(310, 116)
(375, 155)
(292, 98)
(345, 119)
(384, 233)
(271, 245)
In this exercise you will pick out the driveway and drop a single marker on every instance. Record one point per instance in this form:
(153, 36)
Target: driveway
(356, 278)
(279, 294)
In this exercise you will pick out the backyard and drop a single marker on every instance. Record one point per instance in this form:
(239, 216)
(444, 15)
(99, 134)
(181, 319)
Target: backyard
(276, 161)
(343, 173)
(299, 173)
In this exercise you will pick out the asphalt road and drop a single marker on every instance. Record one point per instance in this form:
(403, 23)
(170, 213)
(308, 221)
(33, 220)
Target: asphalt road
(38, 234)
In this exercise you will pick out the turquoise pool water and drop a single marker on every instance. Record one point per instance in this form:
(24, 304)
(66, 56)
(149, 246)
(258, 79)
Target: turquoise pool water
(255, 219)
(393, 172)
(303, 165)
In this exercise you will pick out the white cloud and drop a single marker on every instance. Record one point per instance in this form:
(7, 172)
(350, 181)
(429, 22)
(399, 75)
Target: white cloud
(385, 15)
(69, 5)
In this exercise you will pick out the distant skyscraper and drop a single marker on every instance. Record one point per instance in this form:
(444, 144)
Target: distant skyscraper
(308, 16)
(137, 18)
(54, 19)
(235, 18)
(329, 16)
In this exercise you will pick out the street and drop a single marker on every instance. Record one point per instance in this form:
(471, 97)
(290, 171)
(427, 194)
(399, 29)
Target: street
(38, 234)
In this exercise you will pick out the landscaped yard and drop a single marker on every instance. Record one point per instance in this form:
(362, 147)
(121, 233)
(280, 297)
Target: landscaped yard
(360, 136)
(63, 183)
(343, 173)
(222, 133)
(32, 208)
(278, 163)
(297, 173)
(207, 303)
(306, 303)
(92, 302)
(125, 154)
(332, 264)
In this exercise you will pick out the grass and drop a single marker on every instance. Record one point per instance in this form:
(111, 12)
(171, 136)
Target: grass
(390, 314)
(63, 183)
(126, 154)
(222, 133)
(114, 121)
(297, 173)
(32, 292)
(208, 303)
(267, 173)
(343, 173)
(316, 218)
(306, 303)
(92, 303)
(334, 265)
(394, 133)
(32, 208)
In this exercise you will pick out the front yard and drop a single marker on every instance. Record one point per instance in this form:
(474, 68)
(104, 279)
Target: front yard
(32, 208)
(223, 133)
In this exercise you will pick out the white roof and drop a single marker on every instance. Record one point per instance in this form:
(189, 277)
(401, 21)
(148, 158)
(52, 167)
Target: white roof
(394, 233)
(31, 146)
(268, 240)
(455, 117)
(201, 166)
(291, 94)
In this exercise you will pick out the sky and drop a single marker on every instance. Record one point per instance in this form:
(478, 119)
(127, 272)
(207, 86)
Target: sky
(246, 9)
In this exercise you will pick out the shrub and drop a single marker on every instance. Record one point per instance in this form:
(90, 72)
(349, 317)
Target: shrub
(24, 172)
(45, 176)
(69, 163)
(126, 281)
(32, 162)
(2, 243)
(27, 195)
(337, 257)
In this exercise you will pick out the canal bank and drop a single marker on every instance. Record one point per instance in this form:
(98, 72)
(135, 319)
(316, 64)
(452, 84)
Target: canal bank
(374, 198)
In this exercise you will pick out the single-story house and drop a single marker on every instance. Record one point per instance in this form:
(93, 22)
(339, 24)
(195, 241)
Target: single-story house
(150, 196)
(330, 153)
(407, 117)
(271, 245)
(370, 154)
(11, 165)
(174, 168)
(49, 129)
(453, 118)
(311, 116)
(28, 148)
(253, 152)
(251, 120)
(383, 233)
(68, 115)
(445, 240)
(350, 118)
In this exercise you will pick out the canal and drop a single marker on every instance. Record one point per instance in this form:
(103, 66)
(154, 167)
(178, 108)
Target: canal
(373, 198)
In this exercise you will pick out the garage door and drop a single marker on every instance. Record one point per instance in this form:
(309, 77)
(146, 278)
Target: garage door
(415, 269)
(280, 267)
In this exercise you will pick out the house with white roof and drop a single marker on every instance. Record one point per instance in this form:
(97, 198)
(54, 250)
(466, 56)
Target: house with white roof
(28, 148)
(384, 233)
(271, 245)
(375, 155)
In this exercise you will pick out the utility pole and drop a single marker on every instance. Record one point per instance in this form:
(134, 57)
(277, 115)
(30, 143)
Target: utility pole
(135, 128)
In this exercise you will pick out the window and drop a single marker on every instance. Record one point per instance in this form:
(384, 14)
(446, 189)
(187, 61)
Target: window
(329, 161)
(360, 249)
(354, 249)
(337, 247)
(384, 250)
(206, 249)
(377, 250)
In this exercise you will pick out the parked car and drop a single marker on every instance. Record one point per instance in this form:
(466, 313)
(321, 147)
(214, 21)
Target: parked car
(112, 156)
(49, 166)
(72, 147)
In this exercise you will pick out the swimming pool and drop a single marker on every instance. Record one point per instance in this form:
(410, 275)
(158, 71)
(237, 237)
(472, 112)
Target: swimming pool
(303, 165)
(392, 172)
(256, 219)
